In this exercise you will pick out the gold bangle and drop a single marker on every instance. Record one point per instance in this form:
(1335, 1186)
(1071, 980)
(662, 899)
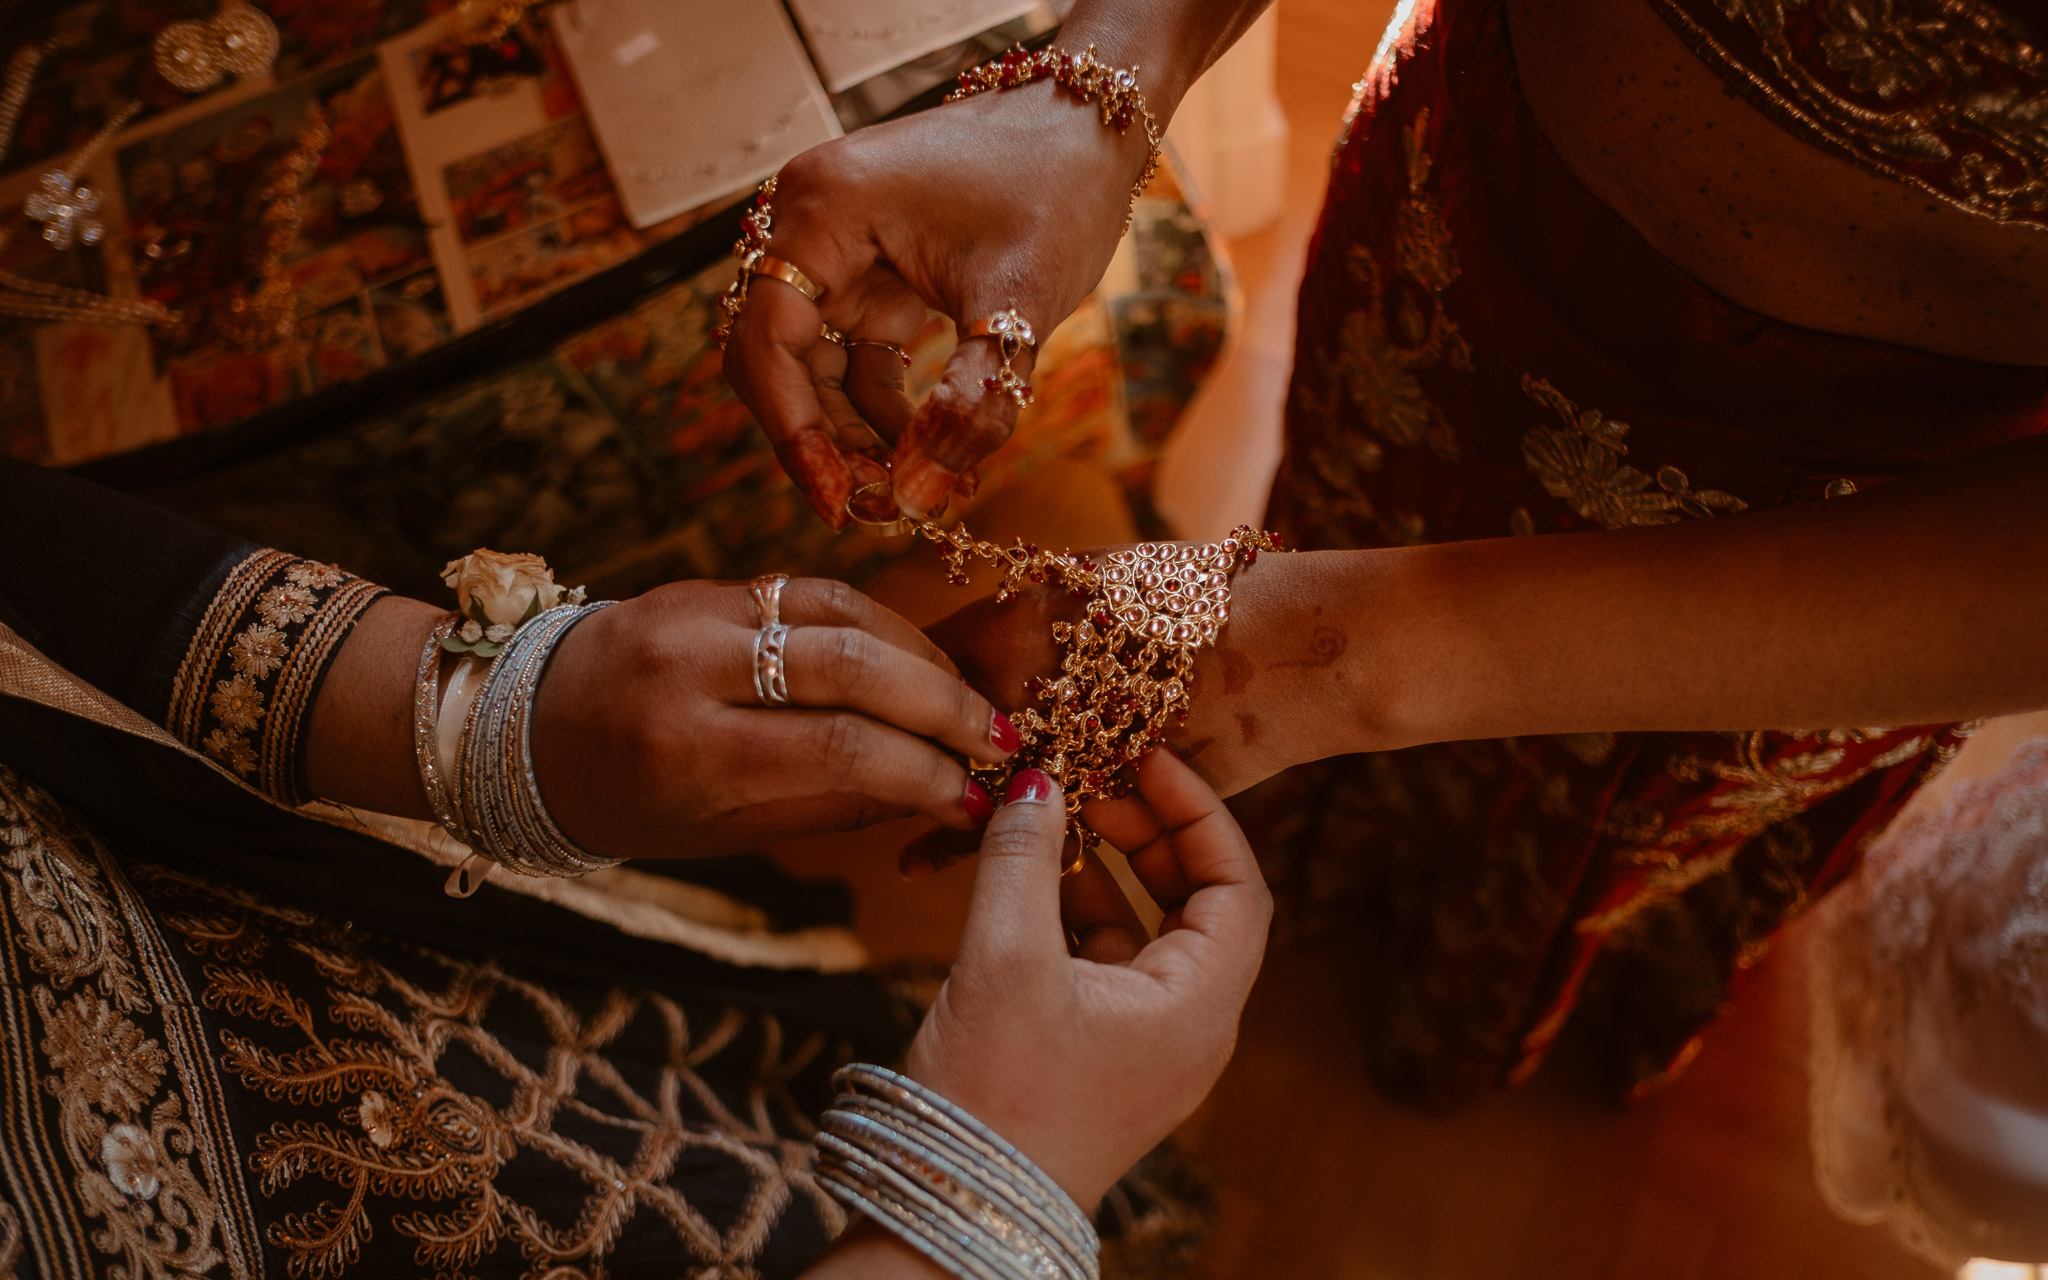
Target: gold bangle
(786, 271)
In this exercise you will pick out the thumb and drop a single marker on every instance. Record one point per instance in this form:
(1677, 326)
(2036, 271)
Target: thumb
(962, 422)
(1013, 917)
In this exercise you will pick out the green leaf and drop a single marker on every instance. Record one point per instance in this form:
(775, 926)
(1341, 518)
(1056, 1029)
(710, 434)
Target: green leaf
(532, 610)
(476, 611)
(484, 649)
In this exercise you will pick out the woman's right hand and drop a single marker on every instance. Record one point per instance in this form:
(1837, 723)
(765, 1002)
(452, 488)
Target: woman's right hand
(1084, 1056)
(649, 740)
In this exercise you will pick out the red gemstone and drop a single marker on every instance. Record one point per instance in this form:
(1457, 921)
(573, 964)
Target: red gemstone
(1093, 723)
(1077, 593)
(1251, 556)
(1102, 619)
(990, 384)
(1095, 781)
(1277, 542)
(1122, 119)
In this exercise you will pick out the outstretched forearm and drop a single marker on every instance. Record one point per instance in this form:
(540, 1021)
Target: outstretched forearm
(1921, 602)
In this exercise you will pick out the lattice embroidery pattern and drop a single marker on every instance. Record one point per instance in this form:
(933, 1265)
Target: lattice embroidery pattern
(402, 1148)
(246, 685)
(135, 1173)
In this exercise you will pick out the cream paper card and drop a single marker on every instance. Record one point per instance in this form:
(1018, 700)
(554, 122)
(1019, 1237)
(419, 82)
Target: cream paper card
(690, 101)
(854, 39)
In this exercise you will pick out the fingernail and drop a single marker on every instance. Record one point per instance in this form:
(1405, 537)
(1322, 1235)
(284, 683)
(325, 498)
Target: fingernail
(923, 485)
(1004, 734)
(979, 807)
(1029, 786)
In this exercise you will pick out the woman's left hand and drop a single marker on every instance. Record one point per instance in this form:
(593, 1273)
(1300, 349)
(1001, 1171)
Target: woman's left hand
(1084, 1056)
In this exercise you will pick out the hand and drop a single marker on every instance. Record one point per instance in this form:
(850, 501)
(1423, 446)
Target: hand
(1085, 1058)
(1274, 691)
(1014, 198)
(649, 740)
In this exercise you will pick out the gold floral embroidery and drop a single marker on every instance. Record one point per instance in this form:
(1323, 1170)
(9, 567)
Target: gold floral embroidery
(1581, 464)
(1380, 355)
(1768, 796)
(125, 1152)
(381, 1121)
(1947, 95)
(243, 690)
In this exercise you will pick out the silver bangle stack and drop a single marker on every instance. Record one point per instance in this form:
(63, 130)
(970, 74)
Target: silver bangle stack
(487, 797)
(948, 1186)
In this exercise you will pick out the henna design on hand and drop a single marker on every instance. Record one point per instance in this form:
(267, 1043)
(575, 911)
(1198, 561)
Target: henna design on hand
(1326, 645)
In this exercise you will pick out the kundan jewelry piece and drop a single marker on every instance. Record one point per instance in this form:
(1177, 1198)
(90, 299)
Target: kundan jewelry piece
(1012, 334)
(1127, 668)
(240, 40)
(1116, 95)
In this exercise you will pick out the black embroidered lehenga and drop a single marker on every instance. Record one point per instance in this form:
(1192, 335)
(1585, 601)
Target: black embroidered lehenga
(239, 1041)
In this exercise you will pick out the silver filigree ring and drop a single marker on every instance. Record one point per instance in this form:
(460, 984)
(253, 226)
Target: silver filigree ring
(771, 671)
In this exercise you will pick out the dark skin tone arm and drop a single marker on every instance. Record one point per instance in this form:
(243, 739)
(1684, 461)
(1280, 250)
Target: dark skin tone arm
(1924, 601)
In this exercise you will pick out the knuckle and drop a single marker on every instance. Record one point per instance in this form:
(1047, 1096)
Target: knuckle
(1012, 840)
(840, 746)
(852, 658)
(838, 602)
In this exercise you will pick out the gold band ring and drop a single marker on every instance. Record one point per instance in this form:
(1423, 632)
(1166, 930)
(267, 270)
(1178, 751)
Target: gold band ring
(870, 499)
(786, 271)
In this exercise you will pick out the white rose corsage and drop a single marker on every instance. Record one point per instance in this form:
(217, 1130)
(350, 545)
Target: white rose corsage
(497, 594)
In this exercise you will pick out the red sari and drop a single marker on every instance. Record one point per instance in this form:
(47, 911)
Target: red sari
(1485, 349)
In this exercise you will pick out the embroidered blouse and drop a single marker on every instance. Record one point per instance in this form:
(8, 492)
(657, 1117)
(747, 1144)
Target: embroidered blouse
(1950, 96)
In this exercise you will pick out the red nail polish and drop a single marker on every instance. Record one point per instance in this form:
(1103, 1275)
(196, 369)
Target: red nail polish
(1029, 786)
(979, 807)
(1004, 734)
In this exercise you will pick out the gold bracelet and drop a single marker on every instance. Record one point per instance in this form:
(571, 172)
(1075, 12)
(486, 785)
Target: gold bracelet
(1116, 95)
(1127, 669)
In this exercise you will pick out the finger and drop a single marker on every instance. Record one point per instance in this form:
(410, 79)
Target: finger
(1105, 926)
(890, 312)
(961, 423)
(767, 361)
(1146, 843)
(845, 667)
(1230, 906)
(788, 753)
(1013, 915)
(827, 602)
(866, 454)
(936, 850)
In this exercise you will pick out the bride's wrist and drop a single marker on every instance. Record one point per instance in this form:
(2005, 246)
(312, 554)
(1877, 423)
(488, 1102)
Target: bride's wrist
(1309, 667)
